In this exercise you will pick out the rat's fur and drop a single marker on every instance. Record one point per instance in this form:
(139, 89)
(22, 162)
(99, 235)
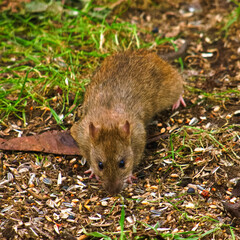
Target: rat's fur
(124, 94)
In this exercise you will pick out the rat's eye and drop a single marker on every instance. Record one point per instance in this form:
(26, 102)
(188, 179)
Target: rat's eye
(122, 163)
(100, 165)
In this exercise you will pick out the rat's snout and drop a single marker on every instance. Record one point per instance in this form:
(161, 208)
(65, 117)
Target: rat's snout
(113, 187)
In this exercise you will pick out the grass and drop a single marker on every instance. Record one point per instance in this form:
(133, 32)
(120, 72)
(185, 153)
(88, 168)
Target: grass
(46, 59)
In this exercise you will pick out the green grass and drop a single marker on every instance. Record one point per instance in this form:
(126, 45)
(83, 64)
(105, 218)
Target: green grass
(121, 222)
(47, 60)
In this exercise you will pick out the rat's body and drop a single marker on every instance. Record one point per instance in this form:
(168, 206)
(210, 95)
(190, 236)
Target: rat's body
(122, 98)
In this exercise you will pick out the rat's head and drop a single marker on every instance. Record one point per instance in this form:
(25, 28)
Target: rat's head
(111, 156)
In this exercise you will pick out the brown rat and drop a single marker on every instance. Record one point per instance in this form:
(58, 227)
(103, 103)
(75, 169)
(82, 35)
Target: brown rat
(125, 93)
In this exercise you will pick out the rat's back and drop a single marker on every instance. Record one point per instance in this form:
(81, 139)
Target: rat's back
(139, 82)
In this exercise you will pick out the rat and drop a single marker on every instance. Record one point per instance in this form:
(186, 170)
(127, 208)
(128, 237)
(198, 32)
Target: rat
(125, 93)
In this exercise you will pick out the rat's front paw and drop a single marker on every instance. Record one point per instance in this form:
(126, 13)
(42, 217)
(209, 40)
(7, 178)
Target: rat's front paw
(92, 175)
(130, 178)
(177, 104)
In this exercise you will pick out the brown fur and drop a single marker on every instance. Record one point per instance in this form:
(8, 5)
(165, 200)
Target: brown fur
(123, 96)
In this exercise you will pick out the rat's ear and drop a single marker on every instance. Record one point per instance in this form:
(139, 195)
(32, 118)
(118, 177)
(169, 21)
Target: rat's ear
(93, 131)
(125, 128)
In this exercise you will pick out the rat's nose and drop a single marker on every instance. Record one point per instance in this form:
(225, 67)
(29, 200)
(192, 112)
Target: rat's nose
(114, 187)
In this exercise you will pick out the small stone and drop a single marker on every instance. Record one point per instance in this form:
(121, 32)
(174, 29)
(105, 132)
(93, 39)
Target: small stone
(155, 30)
(50, 203)
(104, 203)
(65, 187)
(67, 204)
(148, 18)
(6, 209)
(23, 170)
(147, 185)
(47, 181)
(216, 109)
(54, 99)
(199, 149)
(97, 217)
(83, 161)
(233, 200)
(213, 206)
(145, 203)
(190, 185)
(169, 217)
(191, 190)
(47, 163)
(174, 175)
(56, 217)
(163, 229)
(207, 55)
(171, 194)
(237, 113)
(130, 220)
(73, 160)
(10, 176)
(207, 126)
(163, 130)
(190, 205)
(180, 121)
(48, 218)
(130, 189)
(71, 217)
(193, 121)
(56, 229)
(172, 120)
(188, 120)
(59, 180)
(64, 214)
(19, 123)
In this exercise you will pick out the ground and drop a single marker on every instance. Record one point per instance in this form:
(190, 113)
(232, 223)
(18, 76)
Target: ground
(188, 180)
